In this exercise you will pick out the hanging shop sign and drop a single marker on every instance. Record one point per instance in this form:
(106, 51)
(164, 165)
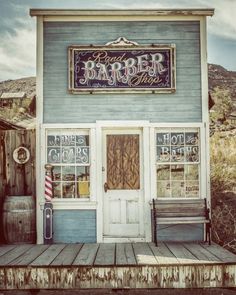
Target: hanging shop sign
(122, 66)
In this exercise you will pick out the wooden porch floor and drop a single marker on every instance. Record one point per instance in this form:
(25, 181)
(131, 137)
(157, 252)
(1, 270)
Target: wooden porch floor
(134, 265)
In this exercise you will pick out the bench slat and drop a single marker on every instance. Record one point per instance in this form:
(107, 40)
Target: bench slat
(181, 221)
(180, 214)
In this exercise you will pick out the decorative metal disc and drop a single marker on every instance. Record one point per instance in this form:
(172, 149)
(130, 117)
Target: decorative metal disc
(21, 155)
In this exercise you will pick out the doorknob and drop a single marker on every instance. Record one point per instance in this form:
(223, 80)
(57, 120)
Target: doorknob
(106, 187)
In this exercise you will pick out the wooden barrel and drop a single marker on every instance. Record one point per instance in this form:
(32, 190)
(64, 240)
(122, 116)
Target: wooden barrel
(19, 224)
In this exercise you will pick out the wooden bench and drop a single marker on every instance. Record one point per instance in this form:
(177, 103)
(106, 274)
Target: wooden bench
(181, 212)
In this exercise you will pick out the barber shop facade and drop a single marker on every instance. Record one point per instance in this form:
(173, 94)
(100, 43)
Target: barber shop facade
(122, 112)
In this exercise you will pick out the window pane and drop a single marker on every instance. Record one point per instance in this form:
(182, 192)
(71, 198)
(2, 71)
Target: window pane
(177, 189)
(82, 140)
(82, 155)
(56, 175)
(163, 138)
(82, 173)
(82, 176)
(192, 189)
(191, 172)
(177, 154)
(192, 153)
(56, 189)
(163, 189)
(177, 138)
(163, 172)
(54, 140)
(177, 172)
(68, 189)
(68, 155)
(53, 155)
(68, 140)
(82, 189)
(191, 138)
(68, 173)
(163, 153)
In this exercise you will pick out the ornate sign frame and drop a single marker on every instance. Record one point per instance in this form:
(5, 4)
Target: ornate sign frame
(122, 66)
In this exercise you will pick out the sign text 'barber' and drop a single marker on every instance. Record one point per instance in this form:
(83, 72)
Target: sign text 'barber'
(103, 69)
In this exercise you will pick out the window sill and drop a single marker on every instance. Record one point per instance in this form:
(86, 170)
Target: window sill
(72, 204)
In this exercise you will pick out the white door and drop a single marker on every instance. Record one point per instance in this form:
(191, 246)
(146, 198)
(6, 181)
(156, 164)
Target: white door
(123, 185)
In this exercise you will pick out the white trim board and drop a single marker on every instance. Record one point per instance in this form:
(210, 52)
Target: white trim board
(115, 18)
(39, 133)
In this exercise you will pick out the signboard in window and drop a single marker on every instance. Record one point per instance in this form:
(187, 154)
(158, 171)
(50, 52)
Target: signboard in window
(122, 68)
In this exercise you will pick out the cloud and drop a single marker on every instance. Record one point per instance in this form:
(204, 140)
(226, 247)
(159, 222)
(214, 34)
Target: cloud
(17, 31)
(17, 53)
(223, 22)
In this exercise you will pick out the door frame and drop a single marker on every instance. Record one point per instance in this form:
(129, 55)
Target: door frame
(143, 126)
(123, 131)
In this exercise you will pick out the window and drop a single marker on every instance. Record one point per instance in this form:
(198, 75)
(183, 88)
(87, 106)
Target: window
(69, 153)
(177, 162)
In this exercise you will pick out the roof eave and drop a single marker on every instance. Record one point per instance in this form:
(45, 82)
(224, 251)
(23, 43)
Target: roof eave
(131, 12)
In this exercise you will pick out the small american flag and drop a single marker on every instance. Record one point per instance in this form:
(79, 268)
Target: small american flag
(48, 186)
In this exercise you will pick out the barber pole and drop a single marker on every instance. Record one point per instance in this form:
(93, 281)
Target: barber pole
(48, 212)
(48, 187)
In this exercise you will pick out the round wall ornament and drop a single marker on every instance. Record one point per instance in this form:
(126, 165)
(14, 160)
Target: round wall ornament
(21, 155)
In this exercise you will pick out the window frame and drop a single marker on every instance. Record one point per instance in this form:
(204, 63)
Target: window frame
(202, 159)
(65, 165)
(85, 129)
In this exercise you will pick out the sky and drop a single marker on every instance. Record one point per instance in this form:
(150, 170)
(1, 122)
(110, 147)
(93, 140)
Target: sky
(18, 29)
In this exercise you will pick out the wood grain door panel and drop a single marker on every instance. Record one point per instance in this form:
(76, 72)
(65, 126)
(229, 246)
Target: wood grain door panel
(123, 162)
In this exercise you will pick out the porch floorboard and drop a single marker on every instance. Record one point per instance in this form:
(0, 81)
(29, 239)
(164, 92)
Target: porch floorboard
(121, 265)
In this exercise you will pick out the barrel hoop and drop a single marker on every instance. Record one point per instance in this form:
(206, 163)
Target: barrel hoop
(18, 211)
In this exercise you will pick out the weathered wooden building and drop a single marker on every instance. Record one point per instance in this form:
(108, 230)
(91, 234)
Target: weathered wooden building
(122, 108)
(10, 99)
(122, 117)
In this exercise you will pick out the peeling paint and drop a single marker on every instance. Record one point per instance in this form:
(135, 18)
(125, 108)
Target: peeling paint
(182, 276)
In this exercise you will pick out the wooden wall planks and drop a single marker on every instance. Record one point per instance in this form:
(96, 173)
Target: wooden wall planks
(182, 106)
(74, 226)
(16, 179)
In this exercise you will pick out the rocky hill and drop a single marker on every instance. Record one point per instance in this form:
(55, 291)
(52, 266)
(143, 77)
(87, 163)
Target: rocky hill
(24, 116)
(27, 85)
(220, 77)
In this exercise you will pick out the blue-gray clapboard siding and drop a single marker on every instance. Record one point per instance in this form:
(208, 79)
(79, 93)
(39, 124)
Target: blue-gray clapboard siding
(74, 226)
(182, 106)
(180, 232)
